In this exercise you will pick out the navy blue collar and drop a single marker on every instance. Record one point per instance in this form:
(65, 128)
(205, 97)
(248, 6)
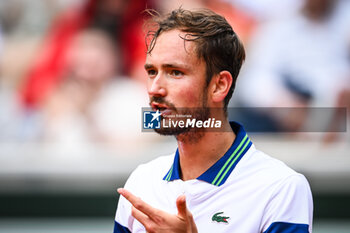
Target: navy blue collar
(221, 170)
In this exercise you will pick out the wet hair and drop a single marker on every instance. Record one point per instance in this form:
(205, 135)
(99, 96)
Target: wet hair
(216, 42)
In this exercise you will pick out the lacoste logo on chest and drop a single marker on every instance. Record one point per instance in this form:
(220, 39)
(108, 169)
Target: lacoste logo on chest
(217, 218)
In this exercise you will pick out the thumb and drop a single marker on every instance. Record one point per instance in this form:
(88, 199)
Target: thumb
(185, 214)
(181, 206)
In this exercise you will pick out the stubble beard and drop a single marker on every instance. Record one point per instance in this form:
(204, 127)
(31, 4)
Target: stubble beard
(187, 134)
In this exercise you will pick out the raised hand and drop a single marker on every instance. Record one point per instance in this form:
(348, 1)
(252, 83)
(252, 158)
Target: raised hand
(155, 220)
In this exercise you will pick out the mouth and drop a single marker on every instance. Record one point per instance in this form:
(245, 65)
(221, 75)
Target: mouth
(162, 108)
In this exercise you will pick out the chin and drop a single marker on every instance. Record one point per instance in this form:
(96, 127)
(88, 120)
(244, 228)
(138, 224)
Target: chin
(172, 131)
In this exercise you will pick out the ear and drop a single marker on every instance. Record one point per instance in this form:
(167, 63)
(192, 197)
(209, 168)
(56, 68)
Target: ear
(221, 84)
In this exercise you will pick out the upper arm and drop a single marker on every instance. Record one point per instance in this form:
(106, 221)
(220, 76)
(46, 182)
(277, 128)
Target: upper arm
(290, 207)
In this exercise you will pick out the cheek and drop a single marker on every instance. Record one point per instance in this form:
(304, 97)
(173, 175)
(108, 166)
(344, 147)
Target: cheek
(190, 96)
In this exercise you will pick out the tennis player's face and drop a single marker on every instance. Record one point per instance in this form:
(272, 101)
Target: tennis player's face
(176, 77)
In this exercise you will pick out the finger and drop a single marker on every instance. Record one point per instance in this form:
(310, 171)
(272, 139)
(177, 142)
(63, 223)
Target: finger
(141, 217)
(137, 202)
(181, 207)
(185, 214)
(193, 226)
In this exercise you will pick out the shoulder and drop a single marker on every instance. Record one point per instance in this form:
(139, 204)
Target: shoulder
(268, 171)
(286, 194)
(146, 173)
(158, 165)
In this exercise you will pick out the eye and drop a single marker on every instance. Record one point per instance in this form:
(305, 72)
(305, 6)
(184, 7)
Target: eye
(151, 73)
(176, 73)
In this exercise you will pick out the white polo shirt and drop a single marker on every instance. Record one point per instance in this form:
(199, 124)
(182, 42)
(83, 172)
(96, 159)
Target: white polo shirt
(245, 191)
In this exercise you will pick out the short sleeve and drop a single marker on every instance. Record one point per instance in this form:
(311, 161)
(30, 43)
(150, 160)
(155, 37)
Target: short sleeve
(290, 208)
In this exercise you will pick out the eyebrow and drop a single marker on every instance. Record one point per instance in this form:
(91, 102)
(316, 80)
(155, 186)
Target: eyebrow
(148, 66)
(181, 66)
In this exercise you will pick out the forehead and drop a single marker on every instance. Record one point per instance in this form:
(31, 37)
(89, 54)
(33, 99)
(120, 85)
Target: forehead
(171, 47)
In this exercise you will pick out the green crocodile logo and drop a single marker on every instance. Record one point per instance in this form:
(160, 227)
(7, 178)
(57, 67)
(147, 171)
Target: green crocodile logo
(218, 218)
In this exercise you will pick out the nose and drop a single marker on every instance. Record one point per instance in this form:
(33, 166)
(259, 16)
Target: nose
(157, 86)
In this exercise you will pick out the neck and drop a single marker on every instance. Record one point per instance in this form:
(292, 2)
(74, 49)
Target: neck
(199, 151)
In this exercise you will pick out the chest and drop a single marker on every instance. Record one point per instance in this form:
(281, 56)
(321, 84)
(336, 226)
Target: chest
(215, 209)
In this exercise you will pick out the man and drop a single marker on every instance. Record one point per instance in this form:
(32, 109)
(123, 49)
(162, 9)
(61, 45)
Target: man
(216, 181)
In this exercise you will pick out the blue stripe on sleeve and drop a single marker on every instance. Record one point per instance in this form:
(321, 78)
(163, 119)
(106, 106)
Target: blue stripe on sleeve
(286, 227)
(120, 229)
